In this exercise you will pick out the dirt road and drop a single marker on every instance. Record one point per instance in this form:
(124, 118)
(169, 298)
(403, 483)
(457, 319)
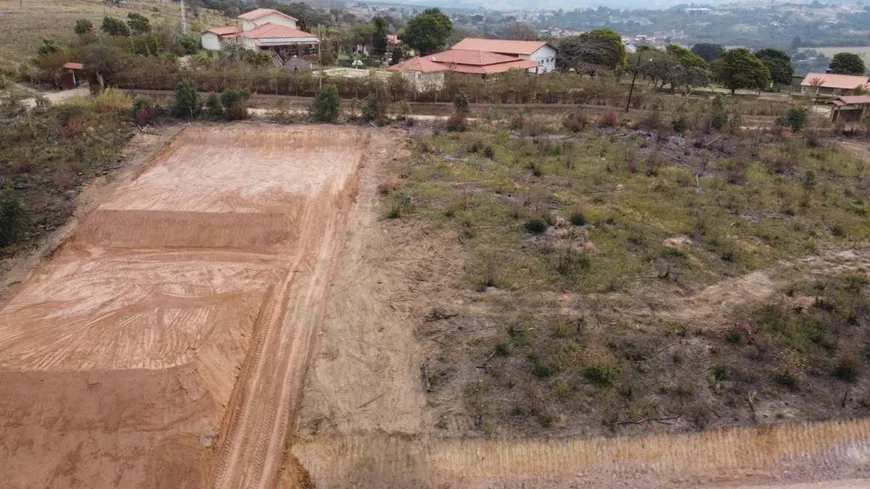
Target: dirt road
(163, 345)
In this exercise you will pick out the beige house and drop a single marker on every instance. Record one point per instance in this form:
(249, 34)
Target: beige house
(264, 29)
(833, 85)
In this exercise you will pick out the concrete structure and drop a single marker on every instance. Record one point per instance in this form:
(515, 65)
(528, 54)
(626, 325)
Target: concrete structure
(423, 75)
(833, 85)
(850, 109)
(540, 52)
(264, 29)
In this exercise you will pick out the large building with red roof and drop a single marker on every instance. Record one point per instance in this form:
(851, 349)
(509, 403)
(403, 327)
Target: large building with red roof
(264, 29)
(833, 84)
(542, 53)
(478, 57)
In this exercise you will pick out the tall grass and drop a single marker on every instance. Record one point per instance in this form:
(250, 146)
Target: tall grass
(109, 100)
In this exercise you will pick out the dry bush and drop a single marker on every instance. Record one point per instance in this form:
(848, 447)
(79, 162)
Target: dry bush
(576, 121)
(609, 118)
(64, 178)
(24, 159)
(75, 126)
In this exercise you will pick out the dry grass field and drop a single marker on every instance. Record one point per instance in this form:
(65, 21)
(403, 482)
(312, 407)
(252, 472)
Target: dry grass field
(23, 25)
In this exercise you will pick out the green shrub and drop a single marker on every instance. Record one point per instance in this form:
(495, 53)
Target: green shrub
(143, 109)
(795, 118)
(374, 108)
(719, 118)
(326, 105)
(235, 104)
(186, 103)
(213, 106)
(847, 369)
(598, 374)
(190, 44)
(536, 225)
(12, 214)
(577, 219)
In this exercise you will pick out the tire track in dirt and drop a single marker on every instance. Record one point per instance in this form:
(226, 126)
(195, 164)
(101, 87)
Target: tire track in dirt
(811, 451)
(164, 344)
(253, 449)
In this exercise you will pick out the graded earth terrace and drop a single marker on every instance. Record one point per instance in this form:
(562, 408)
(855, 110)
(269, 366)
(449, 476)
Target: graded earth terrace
(163, 345)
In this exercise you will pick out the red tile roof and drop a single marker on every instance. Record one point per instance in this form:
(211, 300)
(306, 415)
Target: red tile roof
(465, 57)
(229, 30)
(480, 62)
(261, 12)
(271, 31)
(829, 80)
(853, 100)
(500, 46)
(418, 64)
(74, 66)
(519, 64)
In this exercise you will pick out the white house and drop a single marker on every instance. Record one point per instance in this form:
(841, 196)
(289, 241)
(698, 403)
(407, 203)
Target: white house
(542, 53)
(264, 29)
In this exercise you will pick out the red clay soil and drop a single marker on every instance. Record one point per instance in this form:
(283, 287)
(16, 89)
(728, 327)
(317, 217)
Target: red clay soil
(164, 344)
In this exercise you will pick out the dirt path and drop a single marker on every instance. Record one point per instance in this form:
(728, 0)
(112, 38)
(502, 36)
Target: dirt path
(163, 345)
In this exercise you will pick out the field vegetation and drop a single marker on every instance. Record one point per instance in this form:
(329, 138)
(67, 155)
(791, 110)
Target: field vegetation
(47, 153)
(622, 277)
(25, 25)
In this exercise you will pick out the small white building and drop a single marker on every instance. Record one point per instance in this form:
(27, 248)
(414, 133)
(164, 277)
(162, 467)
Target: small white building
(264, 29)
(542, 53)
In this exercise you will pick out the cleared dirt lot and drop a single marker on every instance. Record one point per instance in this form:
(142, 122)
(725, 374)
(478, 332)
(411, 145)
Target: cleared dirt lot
(163, 344)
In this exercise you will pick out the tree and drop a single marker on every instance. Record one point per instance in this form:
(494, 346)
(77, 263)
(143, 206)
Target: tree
(84, 26)
(686, 58)
(738, 68)
(428, 31)
(326, 105)
(591, 51)
(138, 23)
(101, 64)
(778, 63)
(707, 51)
(186, 103)
(114, 27)
(398, 54)
(847, 64)
(379, 36)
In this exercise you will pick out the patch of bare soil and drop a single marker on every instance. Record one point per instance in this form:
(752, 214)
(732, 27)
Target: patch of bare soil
(367, 375)
(713, 307)
(164, 344)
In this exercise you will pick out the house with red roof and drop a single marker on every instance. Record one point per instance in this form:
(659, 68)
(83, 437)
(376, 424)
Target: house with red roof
(264, 29)
(833, 84)
(542, 53)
